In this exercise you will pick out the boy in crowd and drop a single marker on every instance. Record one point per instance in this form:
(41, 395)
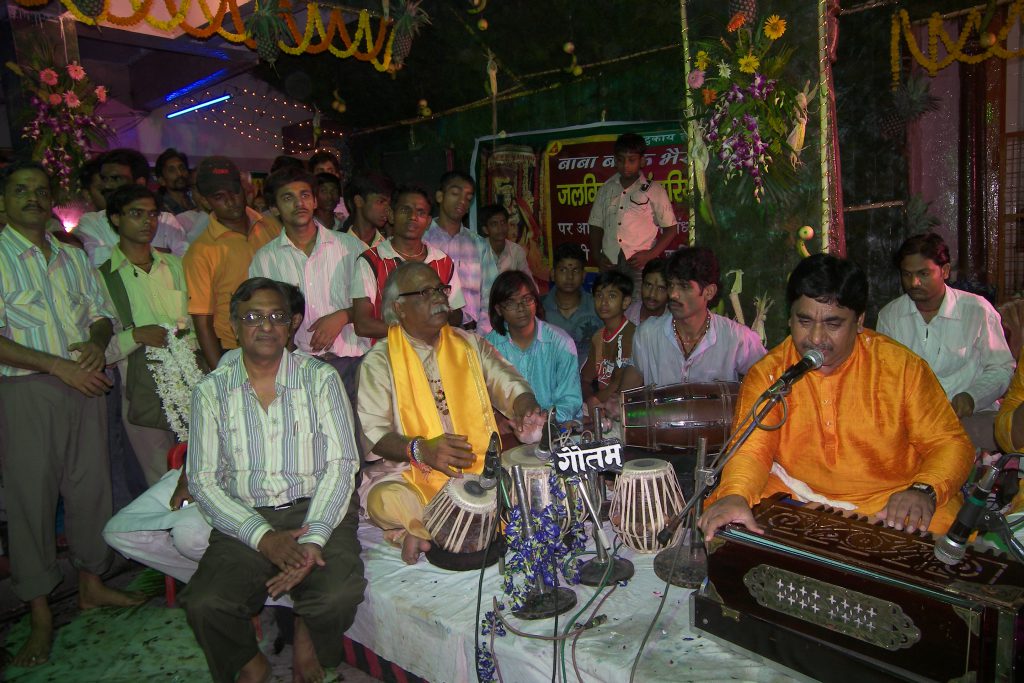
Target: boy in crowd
(328, 192)
(498, 254)
(629, 211)
(567, 305)
(611, 347)
(368, 199)
(447, 234)
(653, 293)
(173, 174)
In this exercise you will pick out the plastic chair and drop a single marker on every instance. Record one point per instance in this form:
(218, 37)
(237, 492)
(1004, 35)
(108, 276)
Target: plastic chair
(175, 459)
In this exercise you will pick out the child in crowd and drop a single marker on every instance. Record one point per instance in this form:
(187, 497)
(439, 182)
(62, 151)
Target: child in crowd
(498, 254)
(567, 305)
(611, 347)
(653, 297)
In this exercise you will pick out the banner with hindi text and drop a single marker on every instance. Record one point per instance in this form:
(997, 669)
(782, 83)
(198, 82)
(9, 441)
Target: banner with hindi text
(574, 169)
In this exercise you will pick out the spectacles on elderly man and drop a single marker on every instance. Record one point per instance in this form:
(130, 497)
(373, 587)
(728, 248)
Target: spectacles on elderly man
(428, 292)
(256, 319)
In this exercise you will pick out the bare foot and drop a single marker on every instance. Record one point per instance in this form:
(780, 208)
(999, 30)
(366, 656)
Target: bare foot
(36, 649)
(412, 548)
(305, 665)
(92, 593)
(256, 670)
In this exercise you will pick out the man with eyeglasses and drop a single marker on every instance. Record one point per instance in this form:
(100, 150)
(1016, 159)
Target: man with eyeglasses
(55, 322)
(427, 396)
(272, 466)
(147, 288)
(410, 208)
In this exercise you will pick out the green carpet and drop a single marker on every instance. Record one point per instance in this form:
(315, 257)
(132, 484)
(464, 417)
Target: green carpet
(117, 645)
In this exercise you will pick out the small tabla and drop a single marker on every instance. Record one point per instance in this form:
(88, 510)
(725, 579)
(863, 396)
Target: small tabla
(461, 522)
(674, 416)
(645, 498)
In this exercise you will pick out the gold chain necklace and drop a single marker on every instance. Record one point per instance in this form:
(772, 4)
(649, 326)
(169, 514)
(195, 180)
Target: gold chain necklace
(693, 345)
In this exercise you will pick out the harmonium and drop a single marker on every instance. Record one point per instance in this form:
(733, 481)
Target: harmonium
(840, 598)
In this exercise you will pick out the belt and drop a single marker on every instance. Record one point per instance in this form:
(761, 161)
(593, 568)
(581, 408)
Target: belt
(285, 506)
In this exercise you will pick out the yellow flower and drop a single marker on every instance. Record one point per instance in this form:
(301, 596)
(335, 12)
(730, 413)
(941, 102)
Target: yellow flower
(703, 60)
(749, 64)
(774, 27)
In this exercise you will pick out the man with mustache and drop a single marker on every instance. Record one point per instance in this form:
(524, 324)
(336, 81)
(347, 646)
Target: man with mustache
(55, 322)
(320, 262)
(868, 432)
(425, 402)
(120, 167)
(446, 233)
(689, 343)
(173, 174)
(958, 333)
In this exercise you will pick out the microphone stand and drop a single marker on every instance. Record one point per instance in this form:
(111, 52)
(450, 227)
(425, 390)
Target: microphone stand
(604, 569)
(707, 480)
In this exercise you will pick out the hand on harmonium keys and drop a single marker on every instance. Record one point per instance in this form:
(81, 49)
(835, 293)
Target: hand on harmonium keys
(727, 510)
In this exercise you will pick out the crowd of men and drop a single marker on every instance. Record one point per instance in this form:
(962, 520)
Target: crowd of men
(362, 344)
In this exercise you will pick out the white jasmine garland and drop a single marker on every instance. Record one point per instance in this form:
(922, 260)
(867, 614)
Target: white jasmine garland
(176, 373)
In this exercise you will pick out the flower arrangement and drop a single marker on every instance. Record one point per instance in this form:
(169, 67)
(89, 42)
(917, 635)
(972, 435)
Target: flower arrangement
(745, 112)
(548, 553)
(176, 373)
(63, 122)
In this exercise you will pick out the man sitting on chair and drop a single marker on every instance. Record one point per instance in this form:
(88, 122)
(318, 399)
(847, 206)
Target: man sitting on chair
(869, 431)
(272, 465)
(425, 402)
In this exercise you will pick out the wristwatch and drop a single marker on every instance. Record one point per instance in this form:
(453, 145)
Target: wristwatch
(923, 488)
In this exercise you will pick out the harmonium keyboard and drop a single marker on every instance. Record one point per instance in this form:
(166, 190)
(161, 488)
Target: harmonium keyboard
(840, 598)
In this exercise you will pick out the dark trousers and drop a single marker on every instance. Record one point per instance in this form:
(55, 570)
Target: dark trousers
(230, 586)
(348, 370)
(53, 442)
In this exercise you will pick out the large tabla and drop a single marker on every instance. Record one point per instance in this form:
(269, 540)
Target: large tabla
(537, 478)
(460, 519)
(676, 415)
(646, 497)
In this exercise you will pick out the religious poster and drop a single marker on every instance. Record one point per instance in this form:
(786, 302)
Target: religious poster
(574, 169)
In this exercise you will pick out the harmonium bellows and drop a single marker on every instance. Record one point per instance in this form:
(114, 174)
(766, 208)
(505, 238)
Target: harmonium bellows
(840, 598)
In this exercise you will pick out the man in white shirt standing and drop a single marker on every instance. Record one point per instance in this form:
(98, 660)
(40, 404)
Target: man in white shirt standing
(122, 167)
(321, 263)
(628, 212)
(447, 234)
(959, 334)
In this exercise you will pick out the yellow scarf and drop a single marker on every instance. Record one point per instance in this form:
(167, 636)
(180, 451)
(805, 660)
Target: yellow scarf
(465, 390)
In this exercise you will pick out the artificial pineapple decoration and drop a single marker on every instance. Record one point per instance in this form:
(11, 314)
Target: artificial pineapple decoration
(910, 101)
(91, 8)
(265, 26)
(407, 26)
(747, 7)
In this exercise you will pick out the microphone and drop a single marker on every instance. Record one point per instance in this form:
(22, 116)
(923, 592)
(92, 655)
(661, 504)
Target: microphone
(812, 360)
(550, 428)
(952, 547)
(492, 465)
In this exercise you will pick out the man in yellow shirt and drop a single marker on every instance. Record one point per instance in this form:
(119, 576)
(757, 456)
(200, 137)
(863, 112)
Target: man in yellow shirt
(870, 431)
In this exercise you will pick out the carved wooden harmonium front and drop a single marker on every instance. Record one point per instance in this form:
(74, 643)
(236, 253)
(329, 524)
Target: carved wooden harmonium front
(876, 596)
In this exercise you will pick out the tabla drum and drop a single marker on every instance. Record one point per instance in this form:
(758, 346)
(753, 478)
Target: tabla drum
(461, 522)
(537, 477)
(676, 415)
(645, 498)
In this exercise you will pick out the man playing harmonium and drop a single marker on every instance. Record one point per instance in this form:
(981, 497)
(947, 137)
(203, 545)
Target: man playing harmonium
(870, 431)
(425, 402)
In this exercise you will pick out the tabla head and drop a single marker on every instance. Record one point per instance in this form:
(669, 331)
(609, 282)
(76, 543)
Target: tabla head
(644, 465)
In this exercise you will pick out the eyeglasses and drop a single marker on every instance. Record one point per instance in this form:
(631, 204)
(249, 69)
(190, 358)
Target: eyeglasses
(522, 304)
(142, 213)
(428, 292)
(254, 319)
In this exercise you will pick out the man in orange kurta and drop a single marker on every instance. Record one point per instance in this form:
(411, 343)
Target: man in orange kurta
(870, 431)
(1010, 425)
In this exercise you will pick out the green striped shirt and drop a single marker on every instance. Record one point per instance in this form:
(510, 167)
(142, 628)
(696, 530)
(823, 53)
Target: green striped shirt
(242, 457)
(47, 306)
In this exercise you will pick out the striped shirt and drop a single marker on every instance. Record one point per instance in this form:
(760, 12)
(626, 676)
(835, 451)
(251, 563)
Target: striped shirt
(464, 252)
(325, 278)
(512, 257)
(242, 457)
(47, 306)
